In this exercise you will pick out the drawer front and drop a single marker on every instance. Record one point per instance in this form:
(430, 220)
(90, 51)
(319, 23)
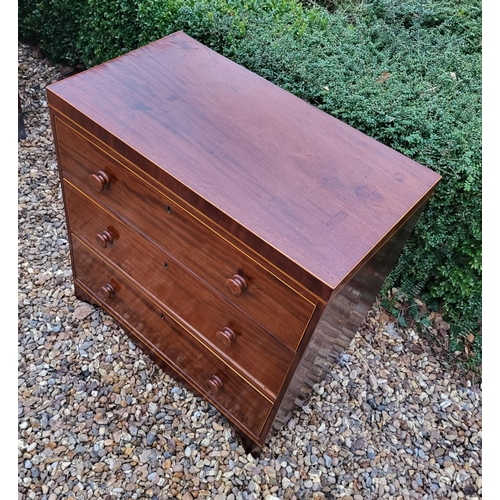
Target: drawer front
(221, 385)
(258, 292)
(239, 340)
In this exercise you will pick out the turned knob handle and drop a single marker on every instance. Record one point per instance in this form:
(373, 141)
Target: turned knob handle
(107, 290)
(99, 181)
(103, 238)
(236, 285)
(214, 384)
(226, 336)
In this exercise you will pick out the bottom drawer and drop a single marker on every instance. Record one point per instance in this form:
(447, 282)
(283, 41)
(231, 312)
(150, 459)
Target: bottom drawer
(221, 385)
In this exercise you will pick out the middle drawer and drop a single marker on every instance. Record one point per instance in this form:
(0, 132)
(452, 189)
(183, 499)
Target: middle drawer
(244, 344)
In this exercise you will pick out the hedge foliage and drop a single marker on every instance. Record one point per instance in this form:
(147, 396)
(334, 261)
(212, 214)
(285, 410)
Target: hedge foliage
(406, 72)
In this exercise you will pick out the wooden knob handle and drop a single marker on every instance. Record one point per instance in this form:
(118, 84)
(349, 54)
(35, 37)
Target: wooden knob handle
(214, 384)
(226, 336)
(107, 290)
(99, 181)
(236, 285)
(103, 238)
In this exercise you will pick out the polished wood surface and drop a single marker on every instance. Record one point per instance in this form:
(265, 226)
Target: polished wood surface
(321, 191)
(237, 233)
(277, 307)
(263, 359)
(233, 396)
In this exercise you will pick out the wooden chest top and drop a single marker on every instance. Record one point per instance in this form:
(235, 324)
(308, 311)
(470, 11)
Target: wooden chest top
(310, 193)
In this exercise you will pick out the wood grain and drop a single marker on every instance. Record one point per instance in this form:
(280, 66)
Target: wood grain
(319, 191)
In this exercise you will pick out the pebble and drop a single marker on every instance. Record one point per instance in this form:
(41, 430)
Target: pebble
(98, 419)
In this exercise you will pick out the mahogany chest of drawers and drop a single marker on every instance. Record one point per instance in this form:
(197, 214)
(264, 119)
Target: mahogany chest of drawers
(237, 233)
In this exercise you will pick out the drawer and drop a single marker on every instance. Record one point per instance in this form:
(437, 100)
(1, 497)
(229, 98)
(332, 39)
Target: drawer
(257, 291)
(171, 341)
(239, 340)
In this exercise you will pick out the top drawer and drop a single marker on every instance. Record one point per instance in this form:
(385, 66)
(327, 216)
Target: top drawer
(257, 291)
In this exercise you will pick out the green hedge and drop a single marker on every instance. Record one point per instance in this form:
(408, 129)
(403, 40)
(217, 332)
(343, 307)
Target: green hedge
(406, 72)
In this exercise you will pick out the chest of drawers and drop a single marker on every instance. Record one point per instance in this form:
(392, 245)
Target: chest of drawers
(237, 233)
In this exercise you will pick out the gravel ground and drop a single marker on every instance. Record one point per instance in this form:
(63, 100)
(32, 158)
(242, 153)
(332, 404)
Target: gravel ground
(98, 420)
